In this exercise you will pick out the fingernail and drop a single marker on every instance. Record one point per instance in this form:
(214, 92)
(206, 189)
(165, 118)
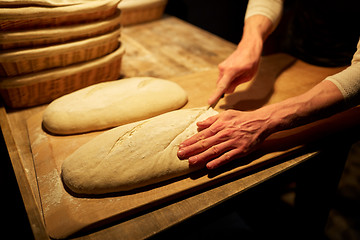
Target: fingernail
(192, 160)
(181, 154)
(209, 166)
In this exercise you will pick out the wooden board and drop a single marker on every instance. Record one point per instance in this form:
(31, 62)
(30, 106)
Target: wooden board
(65, 214)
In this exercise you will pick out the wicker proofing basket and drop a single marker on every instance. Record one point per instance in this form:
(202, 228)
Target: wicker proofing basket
(17, 62)
(138, 11)
(35, 89)
(56, 35)
(26, 17)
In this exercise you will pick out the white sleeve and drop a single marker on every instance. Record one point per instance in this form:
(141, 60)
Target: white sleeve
(268, 8)
(348, 80)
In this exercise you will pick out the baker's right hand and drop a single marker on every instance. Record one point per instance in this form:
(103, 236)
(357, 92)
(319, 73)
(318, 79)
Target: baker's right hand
(240, 67)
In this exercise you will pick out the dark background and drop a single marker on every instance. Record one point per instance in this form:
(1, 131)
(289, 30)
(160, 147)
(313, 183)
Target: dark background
(223, 18)
(321, 32)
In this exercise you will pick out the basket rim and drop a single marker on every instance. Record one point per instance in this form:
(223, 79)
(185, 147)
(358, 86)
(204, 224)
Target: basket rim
(60, 72)
(46, 3)
(24, 13)
(126, 5)
(31, 53)
(51, 33)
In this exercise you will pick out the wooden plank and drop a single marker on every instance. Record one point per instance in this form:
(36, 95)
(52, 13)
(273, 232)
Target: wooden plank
(28, 190)
(170, 48)
(175, 212)
(66, 214)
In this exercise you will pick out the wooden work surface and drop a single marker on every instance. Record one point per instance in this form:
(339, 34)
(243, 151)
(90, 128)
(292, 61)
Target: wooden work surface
(172, 49)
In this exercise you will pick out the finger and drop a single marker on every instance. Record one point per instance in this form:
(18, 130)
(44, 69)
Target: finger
(231, 89)
(199, 146)
(207, 122)
(230, 156)
(213, 152)
(237, 81)
(223, 159)
(216, 95)
(196, 138)
(221, 74)
(205, 133)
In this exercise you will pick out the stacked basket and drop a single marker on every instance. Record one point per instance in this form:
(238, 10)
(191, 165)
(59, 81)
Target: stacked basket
(139, 11)
(56, 47)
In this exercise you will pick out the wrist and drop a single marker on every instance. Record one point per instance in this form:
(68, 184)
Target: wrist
(279, 116)
(256, 30)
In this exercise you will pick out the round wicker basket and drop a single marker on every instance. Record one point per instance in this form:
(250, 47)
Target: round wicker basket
(61, 34)
(34, 16)
(43, 87)
(138, 11)
(18, 62)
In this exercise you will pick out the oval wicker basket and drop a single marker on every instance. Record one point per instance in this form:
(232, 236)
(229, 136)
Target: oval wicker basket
(55, 35)
(14, 18)
(43, 87)
(17, 62)
(138, 11)
(47, 3)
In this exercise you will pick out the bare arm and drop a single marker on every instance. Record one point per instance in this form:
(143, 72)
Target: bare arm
(261, 19)
(233, 134)
(242, 64)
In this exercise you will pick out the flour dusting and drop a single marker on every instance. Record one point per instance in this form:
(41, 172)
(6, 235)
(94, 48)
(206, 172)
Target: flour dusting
(52, 197)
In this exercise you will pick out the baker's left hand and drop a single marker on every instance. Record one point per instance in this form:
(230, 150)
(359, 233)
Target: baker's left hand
(224, 137)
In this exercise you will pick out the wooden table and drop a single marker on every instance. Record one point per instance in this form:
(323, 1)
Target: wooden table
(170, 48)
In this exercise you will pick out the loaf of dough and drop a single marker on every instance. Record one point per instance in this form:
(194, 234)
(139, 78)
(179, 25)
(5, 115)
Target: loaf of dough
(111, 104)
(133, 155)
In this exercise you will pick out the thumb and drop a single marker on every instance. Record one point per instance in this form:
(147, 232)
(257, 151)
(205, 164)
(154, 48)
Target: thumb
(207, 122)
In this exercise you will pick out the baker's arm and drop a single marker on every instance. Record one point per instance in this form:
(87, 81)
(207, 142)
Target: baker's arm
(234, 134)
(261, 18)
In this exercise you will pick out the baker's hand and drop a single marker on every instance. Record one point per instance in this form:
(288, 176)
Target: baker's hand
(224, 137)
(241, 66)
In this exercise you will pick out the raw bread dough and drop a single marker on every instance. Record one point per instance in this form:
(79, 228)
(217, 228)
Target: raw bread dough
(133, 155)
(111, 104)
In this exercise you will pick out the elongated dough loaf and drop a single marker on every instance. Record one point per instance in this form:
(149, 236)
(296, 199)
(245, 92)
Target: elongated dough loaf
(133, 155)
(111, 104)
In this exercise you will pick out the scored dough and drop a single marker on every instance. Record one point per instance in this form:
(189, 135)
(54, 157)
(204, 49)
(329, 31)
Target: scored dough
(111, 104)
(133, 155)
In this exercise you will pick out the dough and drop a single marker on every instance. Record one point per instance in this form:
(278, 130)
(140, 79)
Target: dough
(111, 104)
(133, 155)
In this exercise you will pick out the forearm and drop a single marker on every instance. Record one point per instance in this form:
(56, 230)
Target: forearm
(242, 64)
(322, 101)
(336, 93)
(256, 29)
(261, 18)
